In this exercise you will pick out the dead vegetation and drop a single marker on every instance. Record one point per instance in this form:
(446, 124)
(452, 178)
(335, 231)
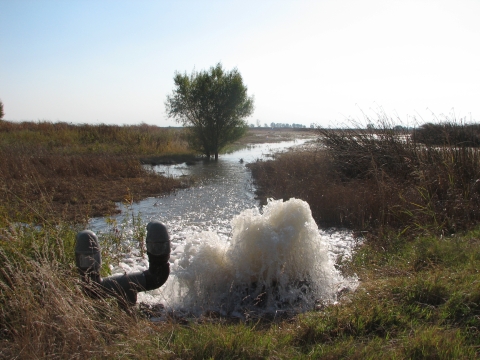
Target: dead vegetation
(77, 172)
(379, 179)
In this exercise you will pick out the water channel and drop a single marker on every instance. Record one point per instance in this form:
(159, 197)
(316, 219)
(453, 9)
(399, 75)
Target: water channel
(228, 255)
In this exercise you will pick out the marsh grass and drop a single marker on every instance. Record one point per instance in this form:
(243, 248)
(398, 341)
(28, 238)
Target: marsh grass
(419, 296)
(378, 179)
(74, 172)
(418, 299)
(449, 132)
(73, 187)
(63, 138)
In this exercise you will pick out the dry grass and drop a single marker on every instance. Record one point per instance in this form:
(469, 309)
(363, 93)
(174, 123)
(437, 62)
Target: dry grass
(417, 299)
(44, 314)
(43, 310)
(76, 172)
(66, 138)
(73, 187)
(379, 179)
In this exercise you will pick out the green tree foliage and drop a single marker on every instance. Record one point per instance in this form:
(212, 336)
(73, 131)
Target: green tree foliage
(1, 110)
(213, 105)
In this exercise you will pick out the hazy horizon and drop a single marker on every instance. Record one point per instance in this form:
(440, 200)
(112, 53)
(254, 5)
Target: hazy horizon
(321, 62)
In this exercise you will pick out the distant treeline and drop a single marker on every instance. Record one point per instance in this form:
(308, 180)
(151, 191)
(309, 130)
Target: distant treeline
(448, 133)
(281, 126)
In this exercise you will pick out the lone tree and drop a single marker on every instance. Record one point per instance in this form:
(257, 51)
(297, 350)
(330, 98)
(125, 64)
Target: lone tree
(213, 106)
(1, 110)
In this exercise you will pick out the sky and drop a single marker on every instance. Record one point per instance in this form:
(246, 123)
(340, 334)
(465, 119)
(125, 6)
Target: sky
(320, 62)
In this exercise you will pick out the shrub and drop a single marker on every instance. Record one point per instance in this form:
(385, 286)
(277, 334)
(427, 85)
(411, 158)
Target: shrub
(377, 179)
(450, 133)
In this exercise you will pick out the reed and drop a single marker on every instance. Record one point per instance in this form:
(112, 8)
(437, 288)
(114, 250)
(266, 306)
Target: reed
(74, 172)
(378, 179)
(66, 138)
(450, 132)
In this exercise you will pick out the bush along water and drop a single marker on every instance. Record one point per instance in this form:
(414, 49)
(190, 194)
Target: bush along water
(379, 179)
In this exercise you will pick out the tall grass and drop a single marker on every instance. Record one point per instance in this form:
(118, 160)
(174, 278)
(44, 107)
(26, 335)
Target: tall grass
(73, 172)
(379, 179)
(417, 299)
(66, 138)
(43, 310)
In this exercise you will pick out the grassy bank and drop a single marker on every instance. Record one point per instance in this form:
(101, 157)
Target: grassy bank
(419, 293)
(417, 299)
(59, 171)
(379, 181)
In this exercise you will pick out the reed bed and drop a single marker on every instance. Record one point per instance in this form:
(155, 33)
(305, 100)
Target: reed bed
(75, 172)
(66, 138)
(449, 132)
(379, 179)
(73, 187)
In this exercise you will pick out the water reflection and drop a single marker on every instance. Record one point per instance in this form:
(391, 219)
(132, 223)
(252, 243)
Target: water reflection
(223, 189)
(227, 162)
(203, 214)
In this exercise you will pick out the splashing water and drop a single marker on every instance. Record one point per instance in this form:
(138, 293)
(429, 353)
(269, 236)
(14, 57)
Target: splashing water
(231, 258)
(275, 260)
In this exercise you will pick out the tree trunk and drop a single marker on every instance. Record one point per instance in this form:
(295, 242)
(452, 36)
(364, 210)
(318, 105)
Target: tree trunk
(216, 155)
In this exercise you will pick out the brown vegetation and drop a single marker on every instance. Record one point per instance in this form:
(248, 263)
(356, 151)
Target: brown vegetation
(449, 133)
(76, 172)
(378, 179)
(419, 297)
(75, 187)
(63, 138)
(44, 313)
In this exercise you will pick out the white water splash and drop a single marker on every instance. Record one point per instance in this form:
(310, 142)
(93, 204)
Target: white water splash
(275, 260)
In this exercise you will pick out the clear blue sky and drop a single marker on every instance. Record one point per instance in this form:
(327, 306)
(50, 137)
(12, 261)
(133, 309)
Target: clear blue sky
(305, 62)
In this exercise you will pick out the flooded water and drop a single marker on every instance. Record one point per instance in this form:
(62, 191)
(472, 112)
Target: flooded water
(223, 189)
(228, 255)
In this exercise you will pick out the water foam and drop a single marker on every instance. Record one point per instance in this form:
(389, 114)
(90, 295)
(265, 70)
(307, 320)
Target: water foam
(275, 260)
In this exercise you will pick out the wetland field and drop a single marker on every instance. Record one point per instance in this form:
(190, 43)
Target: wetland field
(412, 207)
